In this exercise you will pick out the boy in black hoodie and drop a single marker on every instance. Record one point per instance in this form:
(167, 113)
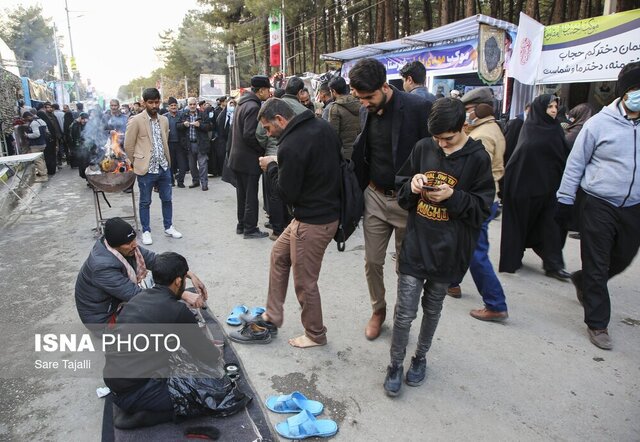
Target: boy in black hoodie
(447, 187)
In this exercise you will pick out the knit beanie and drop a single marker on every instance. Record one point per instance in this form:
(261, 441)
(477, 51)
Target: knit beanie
(118, 232)
(629, 77)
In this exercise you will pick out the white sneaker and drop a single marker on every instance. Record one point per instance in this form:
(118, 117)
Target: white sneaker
(146, 238)
(172, 232)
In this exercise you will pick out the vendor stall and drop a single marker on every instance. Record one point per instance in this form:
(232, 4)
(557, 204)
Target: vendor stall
(463, 55)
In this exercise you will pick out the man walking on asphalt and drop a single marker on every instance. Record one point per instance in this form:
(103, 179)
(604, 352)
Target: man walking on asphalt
(244, 154)
(482, 127)
(392, 122)
(604, 166)
(306, 173)
(194, 130)
(147, 147)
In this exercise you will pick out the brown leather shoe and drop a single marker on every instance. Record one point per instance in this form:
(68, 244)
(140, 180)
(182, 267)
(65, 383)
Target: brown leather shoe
(455, 292)
(484, 314)
(372, 331)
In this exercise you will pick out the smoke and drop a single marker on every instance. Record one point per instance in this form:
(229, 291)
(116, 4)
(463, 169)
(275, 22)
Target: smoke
(95, 136)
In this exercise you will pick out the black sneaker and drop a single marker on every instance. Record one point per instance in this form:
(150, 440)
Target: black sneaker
(251, 334)
(247, 318)
(256, 234)
(393, 381)
(239, 229)
(417, 372)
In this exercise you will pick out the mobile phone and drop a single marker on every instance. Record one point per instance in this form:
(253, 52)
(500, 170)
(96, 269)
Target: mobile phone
(430, 188)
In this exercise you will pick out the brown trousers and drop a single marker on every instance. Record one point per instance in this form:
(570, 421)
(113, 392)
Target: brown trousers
(382, 217)
(300, 247)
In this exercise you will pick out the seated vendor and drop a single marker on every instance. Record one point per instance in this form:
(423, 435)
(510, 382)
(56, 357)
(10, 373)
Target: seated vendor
(148, 379)
(113, 272)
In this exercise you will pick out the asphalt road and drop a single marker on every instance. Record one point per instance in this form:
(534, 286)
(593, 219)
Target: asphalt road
(535, 377)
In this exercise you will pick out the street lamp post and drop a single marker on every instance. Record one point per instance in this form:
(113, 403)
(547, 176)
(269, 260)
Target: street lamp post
(74, 70)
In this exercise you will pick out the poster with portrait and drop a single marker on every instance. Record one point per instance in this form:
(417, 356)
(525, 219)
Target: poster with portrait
(490, 54)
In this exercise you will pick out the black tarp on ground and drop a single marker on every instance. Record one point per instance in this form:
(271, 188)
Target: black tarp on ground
(249, 425)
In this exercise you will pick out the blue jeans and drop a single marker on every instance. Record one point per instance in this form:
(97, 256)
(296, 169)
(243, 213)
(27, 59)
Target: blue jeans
(482, 271)
(146, 183)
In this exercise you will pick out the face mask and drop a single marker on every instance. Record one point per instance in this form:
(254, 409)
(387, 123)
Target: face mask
(230, 109)
(469, 120)
(633, 101)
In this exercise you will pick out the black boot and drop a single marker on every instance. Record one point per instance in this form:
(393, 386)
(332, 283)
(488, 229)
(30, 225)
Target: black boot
(393, 381)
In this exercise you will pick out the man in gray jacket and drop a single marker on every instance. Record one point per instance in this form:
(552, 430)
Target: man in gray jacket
(603, 167)
(114, 272)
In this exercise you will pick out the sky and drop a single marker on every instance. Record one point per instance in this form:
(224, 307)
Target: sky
(113, 40)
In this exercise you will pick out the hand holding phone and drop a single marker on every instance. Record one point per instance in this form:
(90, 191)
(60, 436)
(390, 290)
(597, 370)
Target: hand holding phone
(430, 188)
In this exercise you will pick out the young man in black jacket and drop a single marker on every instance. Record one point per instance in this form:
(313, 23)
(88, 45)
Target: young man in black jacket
(149, 329)
(391, 122)
(447, 187)
(306, 173)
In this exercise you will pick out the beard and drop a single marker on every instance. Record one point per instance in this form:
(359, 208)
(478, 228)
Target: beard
(375, 109)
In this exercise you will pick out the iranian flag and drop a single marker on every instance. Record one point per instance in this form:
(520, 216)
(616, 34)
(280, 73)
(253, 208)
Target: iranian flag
(274, 39)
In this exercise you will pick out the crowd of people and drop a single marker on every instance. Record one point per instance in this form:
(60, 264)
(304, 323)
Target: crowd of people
(434, 171)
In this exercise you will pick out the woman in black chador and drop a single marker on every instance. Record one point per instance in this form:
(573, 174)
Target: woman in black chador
(531, 180)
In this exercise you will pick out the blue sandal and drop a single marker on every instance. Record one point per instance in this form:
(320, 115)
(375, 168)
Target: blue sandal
(304, 425)
(234, 317)
(293, 403)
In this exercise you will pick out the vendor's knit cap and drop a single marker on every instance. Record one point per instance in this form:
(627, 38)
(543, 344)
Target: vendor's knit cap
(628, 78)
(477, 96)
(118, 232)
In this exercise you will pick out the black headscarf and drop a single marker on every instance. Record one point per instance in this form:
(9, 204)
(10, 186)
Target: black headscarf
(537, 163)
(580, 114)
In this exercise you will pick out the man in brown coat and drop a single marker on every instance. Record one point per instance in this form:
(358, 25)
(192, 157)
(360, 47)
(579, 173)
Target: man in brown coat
(147, 146)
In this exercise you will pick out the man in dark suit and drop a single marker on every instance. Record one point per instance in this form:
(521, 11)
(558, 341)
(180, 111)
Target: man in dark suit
(391, 123)
(194, 129)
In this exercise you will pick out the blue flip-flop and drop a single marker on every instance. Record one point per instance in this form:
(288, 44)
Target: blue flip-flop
(234, 317)
(293, 403)
(255, 311)
(304, 425)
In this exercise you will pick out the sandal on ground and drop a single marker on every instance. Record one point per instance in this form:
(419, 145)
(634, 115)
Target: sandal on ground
(234, 316)
(293, 403)
(304, 425)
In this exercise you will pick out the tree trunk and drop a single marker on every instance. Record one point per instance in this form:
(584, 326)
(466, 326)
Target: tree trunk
(584, 9)
(372, 30)
(558, 12)
(470, 8)
(338, 24)
(493, 8)
(314, 42)
(324, 30)
(598, 9)
(380, 21)
(331, 29)
(428, 14)
(444, 12)
(532, 9)
(266, 48)
(253, 47)
(519, 9)
(303, 40)
(389, 20)
(406, 18)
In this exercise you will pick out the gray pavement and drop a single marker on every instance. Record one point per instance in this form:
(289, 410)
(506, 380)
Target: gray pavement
(535, 377)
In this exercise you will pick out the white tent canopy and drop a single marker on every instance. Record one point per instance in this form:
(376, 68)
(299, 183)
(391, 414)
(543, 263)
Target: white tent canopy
(465, 29)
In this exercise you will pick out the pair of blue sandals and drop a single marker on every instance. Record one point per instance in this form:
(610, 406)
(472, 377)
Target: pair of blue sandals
(238, 311)
(304, 424)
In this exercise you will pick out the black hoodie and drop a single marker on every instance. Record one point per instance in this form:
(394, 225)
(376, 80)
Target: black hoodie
(245, 149)
(307, 174)
(441, 237)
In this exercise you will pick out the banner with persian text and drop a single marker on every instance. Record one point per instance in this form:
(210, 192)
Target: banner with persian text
(593, 49)
(463, 56)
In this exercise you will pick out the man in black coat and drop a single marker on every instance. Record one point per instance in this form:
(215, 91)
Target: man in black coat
(194, 127)
(306, 174)
(244, 154)
(391, 123)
